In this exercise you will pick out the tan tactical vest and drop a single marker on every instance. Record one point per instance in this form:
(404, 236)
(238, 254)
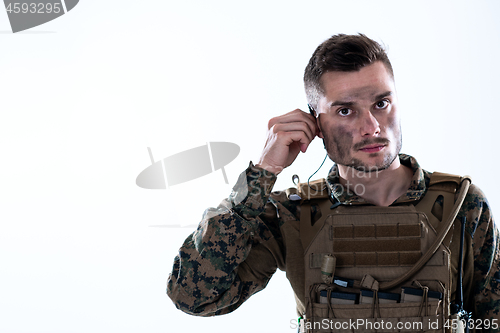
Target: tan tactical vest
(378, 269)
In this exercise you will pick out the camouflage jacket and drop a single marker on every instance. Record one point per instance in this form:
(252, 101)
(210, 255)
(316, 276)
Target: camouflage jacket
(239, 245)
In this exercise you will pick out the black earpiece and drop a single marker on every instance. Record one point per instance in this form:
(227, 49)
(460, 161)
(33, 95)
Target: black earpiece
(311, 110)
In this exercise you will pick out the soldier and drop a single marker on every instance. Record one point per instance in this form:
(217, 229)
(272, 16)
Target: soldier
(369, 215)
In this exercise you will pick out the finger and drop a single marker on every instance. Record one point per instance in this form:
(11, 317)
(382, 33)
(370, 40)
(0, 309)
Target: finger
(296, 126)
(299, 115)
(288, 138)
(295, 116)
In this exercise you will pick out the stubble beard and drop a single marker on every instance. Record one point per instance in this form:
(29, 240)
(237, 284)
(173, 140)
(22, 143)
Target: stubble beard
(339, 150)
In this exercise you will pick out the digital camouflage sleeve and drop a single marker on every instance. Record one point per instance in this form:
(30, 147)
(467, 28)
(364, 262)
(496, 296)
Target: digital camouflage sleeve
(238, 246)
(210, 275)
(486, 247)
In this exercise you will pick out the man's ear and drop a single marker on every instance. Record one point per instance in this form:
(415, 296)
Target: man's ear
(313, 113)
(320, 133)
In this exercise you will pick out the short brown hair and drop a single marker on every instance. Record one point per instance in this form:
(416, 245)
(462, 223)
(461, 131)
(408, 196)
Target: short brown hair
(341, 53)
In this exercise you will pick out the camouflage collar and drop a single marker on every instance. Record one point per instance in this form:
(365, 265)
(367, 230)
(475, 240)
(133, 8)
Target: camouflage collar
(417, 187)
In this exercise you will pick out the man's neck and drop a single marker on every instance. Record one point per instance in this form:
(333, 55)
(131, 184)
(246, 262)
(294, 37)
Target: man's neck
(380, 188)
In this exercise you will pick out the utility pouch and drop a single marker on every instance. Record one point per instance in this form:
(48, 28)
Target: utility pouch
(422, 316)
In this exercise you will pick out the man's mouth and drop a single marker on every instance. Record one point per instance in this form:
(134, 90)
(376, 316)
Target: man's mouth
(373, 148)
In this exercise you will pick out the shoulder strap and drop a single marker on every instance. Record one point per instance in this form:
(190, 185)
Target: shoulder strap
(316, 191)
(441, 185)
(441, 178)
(307, 229)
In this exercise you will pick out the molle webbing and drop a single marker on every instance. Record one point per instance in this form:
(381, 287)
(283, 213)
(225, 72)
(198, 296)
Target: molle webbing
(374, 235)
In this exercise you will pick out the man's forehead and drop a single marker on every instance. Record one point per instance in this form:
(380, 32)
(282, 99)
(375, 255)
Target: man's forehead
(370, 93)
(365, 93)
(367, 81)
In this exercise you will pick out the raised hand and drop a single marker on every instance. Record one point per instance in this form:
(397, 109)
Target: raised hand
(287, 135)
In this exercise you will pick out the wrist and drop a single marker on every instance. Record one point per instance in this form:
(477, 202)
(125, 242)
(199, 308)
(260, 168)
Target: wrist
(273, 169)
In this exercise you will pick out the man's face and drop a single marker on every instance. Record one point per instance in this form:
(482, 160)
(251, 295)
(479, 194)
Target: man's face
(358, 118)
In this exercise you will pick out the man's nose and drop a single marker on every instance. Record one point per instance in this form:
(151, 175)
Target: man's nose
(369, 125)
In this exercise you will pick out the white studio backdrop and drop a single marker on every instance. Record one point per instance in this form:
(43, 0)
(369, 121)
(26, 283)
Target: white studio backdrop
(84, 249)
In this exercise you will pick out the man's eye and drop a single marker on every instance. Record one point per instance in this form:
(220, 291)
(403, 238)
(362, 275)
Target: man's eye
(344, 112)
(382, 104)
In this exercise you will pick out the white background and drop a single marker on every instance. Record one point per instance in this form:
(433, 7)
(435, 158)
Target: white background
(83, 96)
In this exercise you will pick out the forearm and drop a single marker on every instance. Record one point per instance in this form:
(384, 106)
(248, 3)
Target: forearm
(205, 278)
